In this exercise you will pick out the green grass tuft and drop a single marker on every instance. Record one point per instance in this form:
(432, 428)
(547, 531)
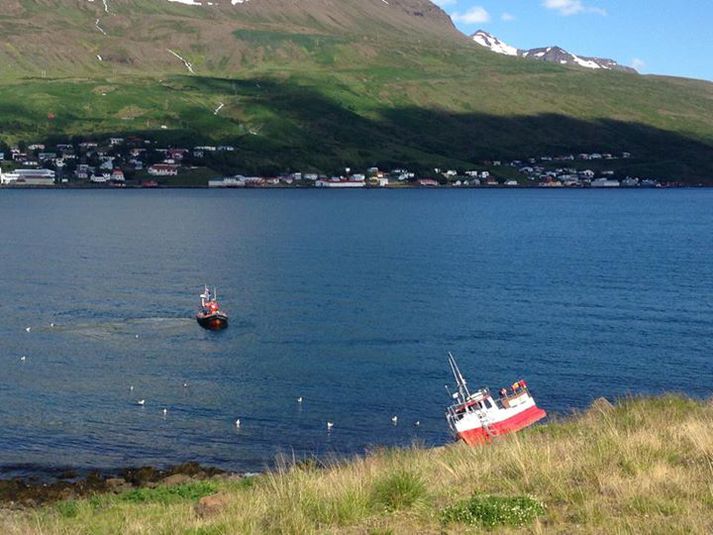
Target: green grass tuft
(165, 495)
(397, 491)
(68, 509)
(493, 511)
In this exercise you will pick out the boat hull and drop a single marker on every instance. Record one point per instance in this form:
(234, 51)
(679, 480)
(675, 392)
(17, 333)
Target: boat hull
(212, 322)
(480, 435)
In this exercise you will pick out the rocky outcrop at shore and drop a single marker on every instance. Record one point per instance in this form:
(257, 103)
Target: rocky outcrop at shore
(32, 492)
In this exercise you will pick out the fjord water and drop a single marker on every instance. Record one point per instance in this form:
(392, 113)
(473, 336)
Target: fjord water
(348, 299)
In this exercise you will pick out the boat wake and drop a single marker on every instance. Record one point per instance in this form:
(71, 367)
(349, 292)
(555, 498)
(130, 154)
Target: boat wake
(135, 327)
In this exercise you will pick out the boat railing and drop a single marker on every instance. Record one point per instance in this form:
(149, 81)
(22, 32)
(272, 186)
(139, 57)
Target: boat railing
(512, 393)
(479, 403)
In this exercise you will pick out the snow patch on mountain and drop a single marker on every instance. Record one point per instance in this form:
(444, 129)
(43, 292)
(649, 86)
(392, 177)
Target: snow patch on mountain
(493, 43)
(552, 54)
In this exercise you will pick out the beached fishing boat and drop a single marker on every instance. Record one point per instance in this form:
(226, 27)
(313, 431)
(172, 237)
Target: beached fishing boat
(475, 418)
(210, 316)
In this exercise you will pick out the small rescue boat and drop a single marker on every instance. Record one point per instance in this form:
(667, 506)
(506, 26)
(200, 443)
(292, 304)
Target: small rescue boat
(478, 417)
(210, 316)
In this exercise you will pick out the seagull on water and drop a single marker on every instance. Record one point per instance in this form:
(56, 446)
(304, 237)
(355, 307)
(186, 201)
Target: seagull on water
(28, 329)
(51, 324)
(165, 412)
(141, 402)
(185, 385)
(23, 358)
(418, 423)
(395, 420)
(299, 399)
(131, 388)
(137, 336)
(330, 425)
(237, 423)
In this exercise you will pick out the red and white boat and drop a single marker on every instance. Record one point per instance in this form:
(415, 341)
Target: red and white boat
(478, 417)
(210, 316)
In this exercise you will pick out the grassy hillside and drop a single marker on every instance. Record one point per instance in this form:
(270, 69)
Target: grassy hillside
(644, 466)
(348, 86)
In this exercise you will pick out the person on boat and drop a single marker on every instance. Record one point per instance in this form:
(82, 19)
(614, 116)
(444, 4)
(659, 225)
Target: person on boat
(503, 392)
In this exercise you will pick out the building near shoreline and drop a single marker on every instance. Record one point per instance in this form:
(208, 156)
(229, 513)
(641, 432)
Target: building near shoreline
(230, 182)
(163, 169)
(605, 183)
(28, 177)
(340, 183)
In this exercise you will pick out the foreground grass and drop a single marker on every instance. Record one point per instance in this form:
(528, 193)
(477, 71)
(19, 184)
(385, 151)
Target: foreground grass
(644, 466)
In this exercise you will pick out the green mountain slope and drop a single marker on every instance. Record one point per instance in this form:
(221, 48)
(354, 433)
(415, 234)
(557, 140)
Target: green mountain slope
(323, 83)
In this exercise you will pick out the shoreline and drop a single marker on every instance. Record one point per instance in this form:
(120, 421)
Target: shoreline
(40, 486)
(53, 485)
(621, 467)
(384, 188)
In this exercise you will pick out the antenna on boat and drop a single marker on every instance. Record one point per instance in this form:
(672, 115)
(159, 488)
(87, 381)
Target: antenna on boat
(205, 296)
(460, 380)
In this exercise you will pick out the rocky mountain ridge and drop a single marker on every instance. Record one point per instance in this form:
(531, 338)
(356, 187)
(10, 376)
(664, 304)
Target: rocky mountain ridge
(551, 54)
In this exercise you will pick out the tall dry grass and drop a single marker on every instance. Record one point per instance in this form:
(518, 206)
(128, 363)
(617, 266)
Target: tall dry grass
(644, 466)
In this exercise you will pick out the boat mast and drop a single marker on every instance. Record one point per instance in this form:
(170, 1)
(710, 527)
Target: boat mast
(205, 295)
(460, 380)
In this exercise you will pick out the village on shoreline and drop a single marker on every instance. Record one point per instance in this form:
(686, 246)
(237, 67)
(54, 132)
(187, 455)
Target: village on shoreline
(136, 163)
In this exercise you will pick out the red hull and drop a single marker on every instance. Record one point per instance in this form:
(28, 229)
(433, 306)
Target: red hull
(479, 435)
(212, 322)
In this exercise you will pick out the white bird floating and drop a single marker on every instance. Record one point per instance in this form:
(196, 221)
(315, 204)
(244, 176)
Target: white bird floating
(137, 336)
(418, 422)
(165, 412)
(141, 402)
(330, 425)
(131, 388)
(23, 358)
(395, 420)
(51, 324)
(28, 329)
(237, 423)
(185, 385)
(299, 399)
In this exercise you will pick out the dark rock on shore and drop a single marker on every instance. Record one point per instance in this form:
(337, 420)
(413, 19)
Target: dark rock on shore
(31, 492)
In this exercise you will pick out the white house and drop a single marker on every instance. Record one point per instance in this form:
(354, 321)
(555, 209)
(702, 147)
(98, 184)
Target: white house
(100, 179)
(163, 169)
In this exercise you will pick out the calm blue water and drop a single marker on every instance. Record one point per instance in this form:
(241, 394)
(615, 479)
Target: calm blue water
(349, 299)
